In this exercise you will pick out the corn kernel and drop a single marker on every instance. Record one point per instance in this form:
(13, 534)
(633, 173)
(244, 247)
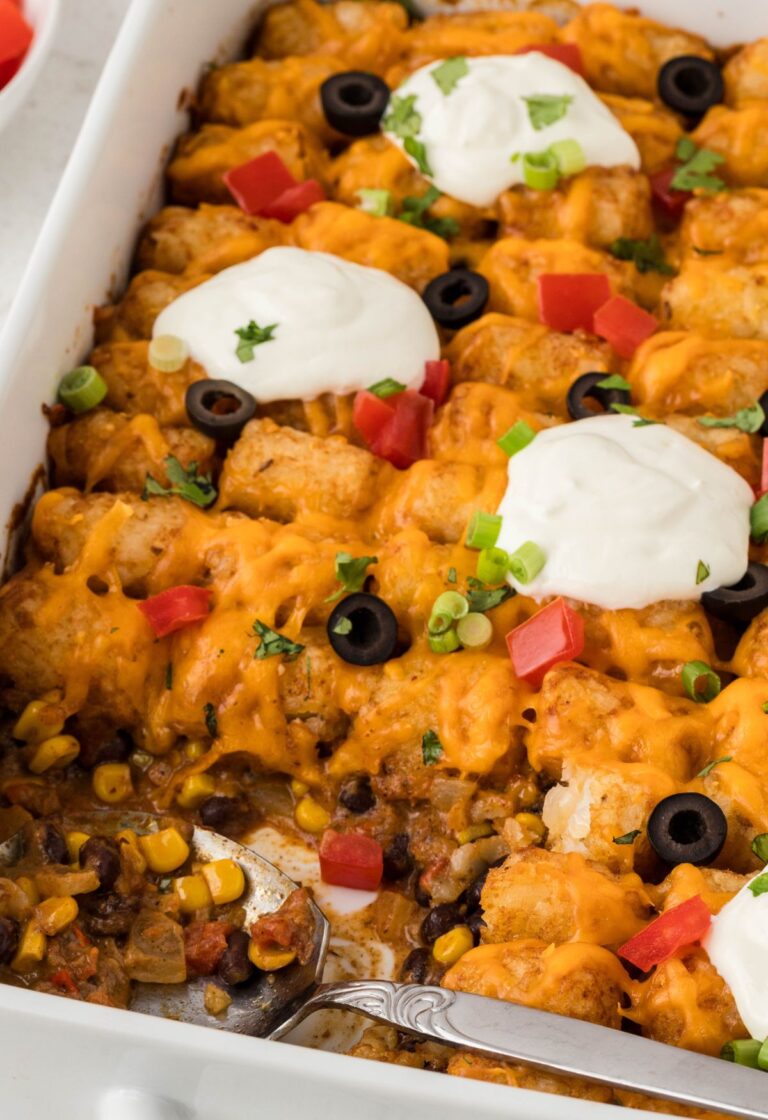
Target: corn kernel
(298, 789)
(270, 960)
(193, 893)
(195, 749)
(195, 790)
(32, 948)
(54, 754)
(40, 720)
(453, 945)
(29, 888)
(112, 782)
(311, 816)
(75, 841)
(131, 849)
(225, 880)
(55, 914)
(164, 851)
(474, 832)
(532, 823)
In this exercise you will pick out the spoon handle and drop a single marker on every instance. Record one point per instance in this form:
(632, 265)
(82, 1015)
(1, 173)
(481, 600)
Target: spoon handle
(499, 1029)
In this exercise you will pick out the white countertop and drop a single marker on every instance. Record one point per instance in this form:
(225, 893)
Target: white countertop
(35, 146)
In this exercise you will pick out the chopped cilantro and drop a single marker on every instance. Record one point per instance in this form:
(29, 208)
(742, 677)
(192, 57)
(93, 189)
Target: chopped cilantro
(185, 483)
(760, 846)
(451, 575)
(386, 388)
(252, 336)
(351, 572)
(210, 720)
(707, 252)
(702, 572)
(697, 168)
(482, 598)
(765, 707)
(418, 152)
(625, 409)
(273, 643)
(748, 420)
(402, 117)
(648, 256)
(545, 109)
(448, 73)
(615, 381)
(414, 212)
(628, 837)
(759, 885)
(343, 626)
(685, 148)
(642, 422)
(431, 748)
(711, 765)
(169, 676)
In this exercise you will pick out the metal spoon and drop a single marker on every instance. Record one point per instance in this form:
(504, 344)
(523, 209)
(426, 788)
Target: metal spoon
(273, 1004)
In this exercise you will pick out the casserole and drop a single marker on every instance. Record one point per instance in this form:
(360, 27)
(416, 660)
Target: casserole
(47, 330)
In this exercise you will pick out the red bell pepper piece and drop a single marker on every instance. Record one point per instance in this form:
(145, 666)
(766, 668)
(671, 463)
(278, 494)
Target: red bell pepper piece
(764, 472)
(350, 859)
(404, 439)
(668, 202)
(672, 930)
(255, 184)
(567, 53)
(175, 608)
(293, 201)
(63, 979)
(568, 301)
(370, 414)
(625, 325)
(15, 33)
(437, 380)
(555, 633)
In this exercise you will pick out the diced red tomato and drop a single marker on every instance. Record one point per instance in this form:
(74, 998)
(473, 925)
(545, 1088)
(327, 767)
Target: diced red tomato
(625, 325)
(350, 859)
(567, 53)
(63, 979)
(204, 945)
(255, 184)
(437, 380)
(175, 608)
(404, 439)
(370, 414)
(682, 925)
(9, 70)
(764, 472)
(568, 301)
(15, 33)
(294, 201)
(554, 634)
(669, 202)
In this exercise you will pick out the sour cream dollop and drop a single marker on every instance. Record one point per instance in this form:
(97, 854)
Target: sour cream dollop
(471, 133)
(736, 946)
(339, 326)
(624, 514)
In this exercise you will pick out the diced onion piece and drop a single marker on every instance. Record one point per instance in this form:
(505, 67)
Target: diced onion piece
(483, 530)
(167, 353)
(475, 631)
(82, 389)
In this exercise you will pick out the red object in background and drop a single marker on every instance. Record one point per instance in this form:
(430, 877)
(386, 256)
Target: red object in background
(395, 428)
(669, 202)
(350, 859)
(255, 184)
(624, 325)
(764, 473)
(554, 634)
(568, 301)
(63, 979)
(175, 608)
(294, 201)
(370, 414)
(567, 53)
(437, 380)
(15, 38)
(674, 929)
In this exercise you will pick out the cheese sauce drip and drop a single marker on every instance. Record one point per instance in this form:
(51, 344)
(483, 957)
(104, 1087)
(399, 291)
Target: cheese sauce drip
(338, 326)
(736, 946)
(471, 133)
(625, 514)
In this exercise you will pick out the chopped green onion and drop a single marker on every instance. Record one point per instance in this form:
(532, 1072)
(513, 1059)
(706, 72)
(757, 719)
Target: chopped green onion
(527, 561)
(759, 886)
(375, 202)
(758, 520)
(439, 623)
(168, 353)
(82, 389)
(700, 682)
(760, 846)
(516, 438)
(343, 626)
(492, 565)
(628, 837)
(570, 157)
(540, 171)
(484, 529)
(386, 388)
(452, 604)
(444, 643)
(702, 572)
(475, 631)
(743, 1051)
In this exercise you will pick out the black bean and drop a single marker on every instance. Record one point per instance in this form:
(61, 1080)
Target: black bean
(440, 920)
(52, 843)
(419, 968)
(421, 896)
(398, 861)
(107, 915)
(356, 794)
(476, 923)
(235, 966)
(218, 810)
(94, 750)
(102, 856)
(9, 939)
(475, 890)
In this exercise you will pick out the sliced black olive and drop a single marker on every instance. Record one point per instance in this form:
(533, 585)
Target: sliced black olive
(690, 85)
(456, 298)
(354, 102)
(441, 918)
(356, 794)
(363, 630)
(744, 600)
(235, 965)
(101, 855)
(587, 386)
(9, 939)
(218, 810)
(219, 409)
(398, 861)
(687, 828)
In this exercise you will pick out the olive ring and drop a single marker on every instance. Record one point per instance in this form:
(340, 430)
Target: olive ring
(456, 298)
(354, 102)
(362, 629)
(690, 85)
(744, 600)
(687, 828)
(219, 409)
(588, 386)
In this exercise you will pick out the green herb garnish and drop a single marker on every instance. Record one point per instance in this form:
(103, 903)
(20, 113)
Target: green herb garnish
(451, 575)
(760, 846)
(431, 748)
(252, 336)
(351, 572)
(448, 73)
(707, 252)
(482, 598)
(273, 643)
(711, 765)
(759, 885)
(628, 837)
(648, 256)
(376, 202)
(748, 420)
(698, 165)
(414, 212)
(343, 626)
(402, 117)
(185, 483)
(615, 381)
(545, 109)
(702, 572)
(386, 388)
(211, 721)
(169, 676)
(417, 151)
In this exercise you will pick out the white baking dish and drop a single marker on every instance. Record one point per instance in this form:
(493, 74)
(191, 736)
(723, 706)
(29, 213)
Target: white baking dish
(86, 1061)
